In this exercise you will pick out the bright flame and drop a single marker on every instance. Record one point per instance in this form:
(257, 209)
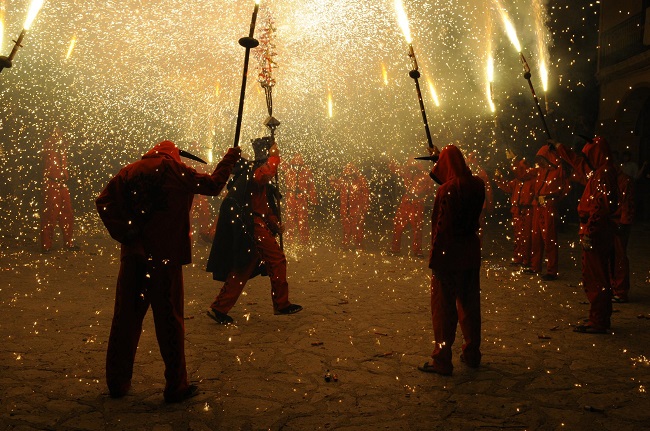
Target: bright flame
(34, 7)
(71, 47)
(257, 2)
(432, 90)
(330, 104)
(543, 72)
(2, 28)
(490, 68)
(403, 21)
(489, 97)
(384, 73)
(217, 89)
(510, 28)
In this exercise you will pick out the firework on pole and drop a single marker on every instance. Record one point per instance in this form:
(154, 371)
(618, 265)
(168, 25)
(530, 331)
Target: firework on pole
(265, 54)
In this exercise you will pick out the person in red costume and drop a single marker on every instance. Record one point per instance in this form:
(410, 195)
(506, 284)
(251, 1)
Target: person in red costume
(473, 165)
(623, 218)
(596, 210)
(200, 214)
(411, 208)
(244, 245)
(551, 185)
(455, 261)
(146, 207)
(520, 189)
(300, 192)
(355, 202)
(57, 205)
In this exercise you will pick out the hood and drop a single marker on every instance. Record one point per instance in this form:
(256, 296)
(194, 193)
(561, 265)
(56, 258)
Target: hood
(597, 152)
(297, 160)
(166, 149)
(451, 164)
(350, 170)
(545, 154)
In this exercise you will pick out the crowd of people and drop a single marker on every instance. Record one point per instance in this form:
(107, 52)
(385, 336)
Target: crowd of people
(155, 206)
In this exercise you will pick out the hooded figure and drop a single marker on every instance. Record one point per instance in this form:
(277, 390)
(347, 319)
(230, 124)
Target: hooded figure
(300, 193)
(244, 244)
(57, 205)
(355, 201)
(455, 261)
(551, 185)
(596, 210)
(146, 207)
(410, 211)
(520, 189)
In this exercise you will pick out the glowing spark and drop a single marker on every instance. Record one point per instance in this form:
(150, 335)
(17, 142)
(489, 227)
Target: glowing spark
(490, 68)
(510, 28)
(403, 21)
(330, 103)
(543, 72)
(433, 92)
(217, 89)
(257, 2)
(2, 23)
(490, 80)
(71, 47)
(384, 73)
(34, 7)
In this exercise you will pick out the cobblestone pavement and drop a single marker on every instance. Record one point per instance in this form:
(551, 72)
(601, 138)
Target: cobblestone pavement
(366, 322)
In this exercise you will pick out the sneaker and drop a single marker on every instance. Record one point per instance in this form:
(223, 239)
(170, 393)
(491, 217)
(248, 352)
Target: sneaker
(549, 277)
(618, 299)
(191, 391)
(219, 317)
(291, 309)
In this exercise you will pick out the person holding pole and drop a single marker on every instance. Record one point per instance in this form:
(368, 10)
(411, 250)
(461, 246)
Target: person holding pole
(244, 244)
(146, 207)
(455, 261)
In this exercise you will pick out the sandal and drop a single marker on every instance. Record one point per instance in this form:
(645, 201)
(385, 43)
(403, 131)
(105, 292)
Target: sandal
(588, 329)
(428, 368)
(219, 317)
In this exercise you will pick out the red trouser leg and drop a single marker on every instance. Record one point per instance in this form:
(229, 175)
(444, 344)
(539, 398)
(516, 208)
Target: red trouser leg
(621, 272)
(49, 215)
(596, 264)
(416, 218)
(526, 216)
(399, 223)
(167, 303)
(268, 251)
(537, 243)
(130, 308)
(455, 297)
(66, 220)
(550, 238)
(517, 228)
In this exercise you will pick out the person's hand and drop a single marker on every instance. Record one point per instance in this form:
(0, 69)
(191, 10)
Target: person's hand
(433, 151)
(510, 154)
(497, 173)
(585, 241)
(274, 150)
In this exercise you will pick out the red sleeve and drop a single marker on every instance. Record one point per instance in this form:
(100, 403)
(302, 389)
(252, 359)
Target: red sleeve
(581, 169)
(264, 173)
(110, 206)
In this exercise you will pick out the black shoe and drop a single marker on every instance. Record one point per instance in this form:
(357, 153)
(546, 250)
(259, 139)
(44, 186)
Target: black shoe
(618, 299)
(219, 317)
(191, 391)
(549, 277)
(529, 271)
(291, 309)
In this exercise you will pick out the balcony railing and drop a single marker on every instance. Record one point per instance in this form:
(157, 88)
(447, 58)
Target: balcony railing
(623, 41)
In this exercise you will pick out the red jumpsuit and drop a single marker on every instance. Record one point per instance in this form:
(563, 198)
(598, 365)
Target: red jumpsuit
(57, 205)
(146, 207)
(267, 250)
(549, 188)
(596, 209)
(521, 198)
(355, 202)
(411, 208)
(455, 260)
(623, 218)
(300, 192)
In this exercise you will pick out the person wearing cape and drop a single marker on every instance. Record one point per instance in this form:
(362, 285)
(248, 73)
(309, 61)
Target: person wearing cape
(146, 207)
(244, 245)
